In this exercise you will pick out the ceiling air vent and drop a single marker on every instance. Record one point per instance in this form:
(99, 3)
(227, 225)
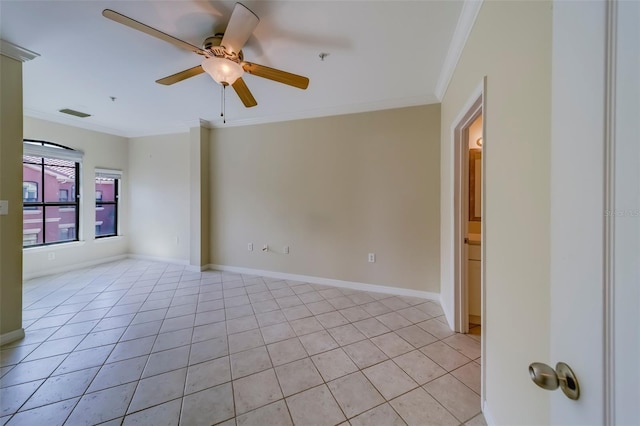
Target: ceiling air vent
(74, 112)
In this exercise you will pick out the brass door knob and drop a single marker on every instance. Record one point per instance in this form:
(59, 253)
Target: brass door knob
(550, 379)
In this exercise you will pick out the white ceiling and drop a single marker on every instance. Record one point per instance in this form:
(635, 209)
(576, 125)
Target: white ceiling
(382, 54)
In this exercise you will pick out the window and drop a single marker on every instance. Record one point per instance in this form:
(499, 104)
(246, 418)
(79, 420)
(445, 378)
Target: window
(50, 178)
(63, 195)
(29, 192)
(107, 196)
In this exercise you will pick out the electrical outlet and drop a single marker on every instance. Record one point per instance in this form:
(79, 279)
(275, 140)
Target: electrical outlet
(4, 207)
(286, 249)
(372, 257)
(250, 246)
(51, 256)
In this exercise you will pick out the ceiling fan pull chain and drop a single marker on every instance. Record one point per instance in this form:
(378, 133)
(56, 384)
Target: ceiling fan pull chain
(224, 104)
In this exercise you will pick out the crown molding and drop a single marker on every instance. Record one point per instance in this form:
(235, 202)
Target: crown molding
(200, 122)
(468, 15)
(16, 52)
(214, 124)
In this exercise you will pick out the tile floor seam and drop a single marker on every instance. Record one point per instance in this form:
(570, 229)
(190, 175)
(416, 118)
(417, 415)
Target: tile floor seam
(186, 378)
(451, 372)
(53, 375)
(449, 411)
(126, 411)
(233, 390)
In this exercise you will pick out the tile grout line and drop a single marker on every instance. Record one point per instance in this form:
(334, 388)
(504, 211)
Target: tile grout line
(126, 412)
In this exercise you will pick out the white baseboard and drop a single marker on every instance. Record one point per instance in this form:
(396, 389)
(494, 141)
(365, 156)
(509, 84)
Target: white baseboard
(487, 414)
(159, 259)
(181, 262)
(196, 268)
(330, 281)
(11, 336)
(72, 267)
(448, 314)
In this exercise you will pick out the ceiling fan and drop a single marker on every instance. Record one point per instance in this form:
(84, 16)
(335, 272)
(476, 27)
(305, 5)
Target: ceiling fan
(224, 60)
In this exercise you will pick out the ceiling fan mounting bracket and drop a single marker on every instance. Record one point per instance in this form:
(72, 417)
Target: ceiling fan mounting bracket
(213, 48)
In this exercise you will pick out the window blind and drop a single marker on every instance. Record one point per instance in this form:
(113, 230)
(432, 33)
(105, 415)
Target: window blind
(52, 152)
(108, 174)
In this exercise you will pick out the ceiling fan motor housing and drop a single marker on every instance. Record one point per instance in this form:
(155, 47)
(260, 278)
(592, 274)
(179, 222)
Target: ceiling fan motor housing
(212, 46)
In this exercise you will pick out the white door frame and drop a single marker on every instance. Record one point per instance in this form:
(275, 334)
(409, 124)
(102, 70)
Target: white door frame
(623, 173)
(596, 64)
(472, 109)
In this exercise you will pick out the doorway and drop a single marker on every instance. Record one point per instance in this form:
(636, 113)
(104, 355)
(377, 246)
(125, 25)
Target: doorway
(473, 237)
(468, 207)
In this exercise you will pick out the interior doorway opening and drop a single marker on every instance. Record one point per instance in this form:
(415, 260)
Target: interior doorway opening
(468, 233)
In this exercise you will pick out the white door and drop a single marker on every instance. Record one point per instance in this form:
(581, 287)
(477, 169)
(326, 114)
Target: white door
(595, 209)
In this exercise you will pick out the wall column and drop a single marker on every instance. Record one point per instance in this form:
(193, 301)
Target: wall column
(199, 211)
(11, 58)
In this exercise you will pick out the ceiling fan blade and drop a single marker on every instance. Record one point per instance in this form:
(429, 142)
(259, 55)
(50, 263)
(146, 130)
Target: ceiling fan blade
(132, 23)
(241, 25)
(182, 75)
(276, 75)
(244, 93)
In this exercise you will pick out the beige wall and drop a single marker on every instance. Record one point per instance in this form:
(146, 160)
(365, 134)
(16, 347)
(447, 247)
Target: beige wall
(332, 189)
(101, 150)
(11, 190)
(160, 197)
(511, 45)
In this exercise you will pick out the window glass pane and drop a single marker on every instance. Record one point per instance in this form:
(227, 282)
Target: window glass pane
(59, 163)
(28, 159)
(32, 229)
(31, 183)
(59, 181)
(60, 223)
(105, 219)
(105, 189)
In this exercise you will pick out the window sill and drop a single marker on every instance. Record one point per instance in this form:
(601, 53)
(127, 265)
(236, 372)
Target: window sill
(114, 238)
(54, 246)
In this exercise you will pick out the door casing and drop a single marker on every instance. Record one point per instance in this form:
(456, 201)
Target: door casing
(459, 137)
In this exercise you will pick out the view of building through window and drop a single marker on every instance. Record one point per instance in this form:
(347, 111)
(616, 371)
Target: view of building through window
(50, 200)
(50, 195)
(106, 206)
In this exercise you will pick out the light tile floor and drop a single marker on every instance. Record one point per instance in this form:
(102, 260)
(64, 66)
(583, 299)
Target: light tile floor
(146, 343)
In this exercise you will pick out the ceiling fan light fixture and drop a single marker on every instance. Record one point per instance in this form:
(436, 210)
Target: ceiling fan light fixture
(222, 70)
